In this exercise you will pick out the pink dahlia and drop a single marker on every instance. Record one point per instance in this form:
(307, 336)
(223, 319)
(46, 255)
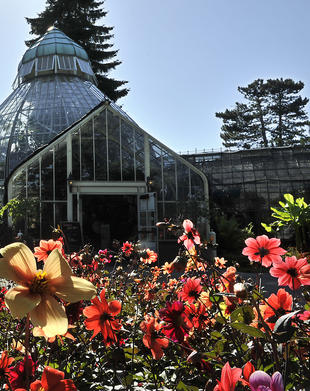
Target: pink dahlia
(263, 250)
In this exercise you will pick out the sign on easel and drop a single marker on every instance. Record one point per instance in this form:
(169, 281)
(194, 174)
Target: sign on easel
(73, 235)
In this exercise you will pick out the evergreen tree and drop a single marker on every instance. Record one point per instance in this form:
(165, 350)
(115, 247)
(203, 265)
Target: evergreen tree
(273, 115)
(77, 19)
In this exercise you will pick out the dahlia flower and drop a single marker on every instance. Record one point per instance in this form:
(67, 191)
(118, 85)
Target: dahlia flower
(263, 250)
(34, 294)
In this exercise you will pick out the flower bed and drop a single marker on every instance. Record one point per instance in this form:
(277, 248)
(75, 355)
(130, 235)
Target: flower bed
(120, 321)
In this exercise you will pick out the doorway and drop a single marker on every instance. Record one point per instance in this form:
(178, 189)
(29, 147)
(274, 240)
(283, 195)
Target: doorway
(109, 217)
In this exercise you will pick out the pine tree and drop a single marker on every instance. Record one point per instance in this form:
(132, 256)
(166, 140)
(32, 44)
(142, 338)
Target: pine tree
(77, 19)
(273, 115)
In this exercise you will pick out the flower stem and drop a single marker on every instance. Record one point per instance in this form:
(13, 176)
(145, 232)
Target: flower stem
(27, 367)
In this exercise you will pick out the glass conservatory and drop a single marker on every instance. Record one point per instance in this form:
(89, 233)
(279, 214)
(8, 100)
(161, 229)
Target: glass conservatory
(75, 156)
(110, 176)
(54, 87)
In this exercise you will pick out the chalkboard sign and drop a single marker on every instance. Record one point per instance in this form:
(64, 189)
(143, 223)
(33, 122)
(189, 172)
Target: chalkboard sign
(73, 236)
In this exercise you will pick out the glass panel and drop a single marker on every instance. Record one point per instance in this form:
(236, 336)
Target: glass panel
(87, 158)
(45, 62)
(197, 187)
(139, 155)
(60, 212)
(155, 170)
(100, 147)
(61, 171)
(47, 176)
(19, 185)
(66, 62)
(34, 218)
(33, 184)
(169, 188)
(47, 211)
(75, 204)
(127, 135)
(114, 147)
(183, 181)
(76, 155)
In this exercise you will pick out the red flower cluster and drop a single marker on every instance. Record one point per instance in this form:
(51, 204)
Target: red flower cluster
(100, 318)
(191, 290)
(290, 272)
(278, 305)
(152, 338)
(177, 324)
(127, 248)
(52, 380)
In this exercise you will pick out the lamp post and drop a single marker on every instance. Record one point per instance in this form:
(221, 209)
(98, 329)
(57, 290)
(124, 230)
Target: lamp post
(70, 182)
(149, 183)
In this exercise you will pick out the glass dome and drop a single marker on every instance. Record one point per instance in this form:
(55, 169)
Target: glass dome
(54, 87)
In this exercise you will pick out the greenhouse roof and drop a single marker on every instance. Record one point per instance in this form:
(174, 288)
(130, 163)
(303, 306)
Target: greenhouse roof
(54, 41)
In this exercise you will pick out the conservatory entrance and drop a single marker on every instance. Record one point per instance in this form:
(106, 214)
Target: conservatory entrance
(108, 217)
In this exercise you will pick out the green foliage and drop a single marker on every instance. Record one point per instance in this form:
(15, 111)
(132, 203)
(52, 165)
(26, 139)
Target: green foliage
(77, 19)
(230, 237)
(293, 214)
(273, 115)
(15, 208)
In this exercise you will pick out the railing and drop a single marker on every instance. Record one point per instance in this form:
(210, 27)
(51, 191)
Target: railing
(200, 151)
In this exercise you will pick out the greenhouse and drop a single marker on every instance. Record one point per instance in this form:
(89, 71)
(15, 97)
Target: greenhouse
(247, 183)
(79, 158)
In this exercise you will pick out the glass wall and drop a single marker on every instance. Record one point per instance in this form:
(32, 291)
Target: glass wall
(105, 149)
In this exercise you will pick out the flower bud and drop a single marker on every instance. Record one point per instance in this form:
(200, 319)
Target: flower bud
(240, 290)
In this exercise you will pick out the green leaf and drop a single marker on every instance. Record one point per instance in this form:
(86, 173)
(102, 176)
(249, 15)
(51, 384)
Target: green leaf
(215, 298)
(242, 314)
(126, 381)
(267, 227)
(181, 386)
(252, 331)
(216, 335)
(220, 319)
(210, 354)
(289, 198)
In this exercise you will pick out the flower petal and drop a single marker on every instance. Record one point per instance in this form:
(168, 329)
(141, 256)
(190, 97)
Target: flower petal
(50, 316)
(20, 301)
(74, 289)
(259, 378)
(18, 262)
(56, 266)
(115, 307)
(51, 377)
(187, 225)
(277, 382)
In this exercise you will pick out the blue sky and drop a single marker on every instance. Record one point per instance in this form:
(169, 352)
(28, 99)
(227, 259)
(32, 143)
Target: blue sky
(184, 59)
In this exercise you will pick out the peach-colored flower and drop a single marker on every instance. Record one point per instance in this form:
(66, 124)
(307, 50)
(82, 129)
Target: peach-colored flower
(205, 299)
(220, 262)
(35, 290)
(166, 268)
(148, 256)
(46, 247)
(38, 332)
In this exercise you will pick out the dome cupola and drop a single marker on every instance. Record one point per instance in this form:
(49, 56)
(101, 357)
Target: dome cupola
(55, 53)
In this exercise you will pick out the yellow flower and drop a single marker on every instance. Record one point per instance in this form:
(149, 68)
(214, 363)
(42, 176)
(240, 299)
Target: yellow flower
(36, 288)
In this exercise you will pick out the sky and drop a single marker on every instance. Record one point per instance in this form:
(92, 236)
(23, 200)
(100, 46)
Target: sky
(184, 59)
